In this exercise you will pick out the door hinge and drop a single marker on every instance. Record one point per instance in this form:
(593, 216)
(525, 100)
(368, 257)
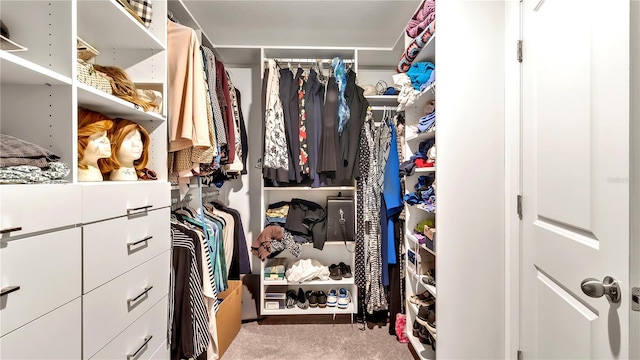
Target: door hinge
(519, 206)
(519, 355)
(519, 51)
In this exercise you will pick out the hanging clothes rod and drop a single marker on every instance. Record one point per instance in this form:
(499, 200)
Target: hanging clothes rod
(311, 61)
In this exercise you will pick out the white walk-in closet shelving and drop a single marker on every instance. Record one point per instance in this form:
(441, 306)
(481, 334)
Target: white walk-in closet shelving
(420, 258)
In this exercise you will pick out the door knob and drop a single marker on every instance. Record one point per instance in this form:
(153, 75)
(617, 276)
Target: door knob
(596, 288)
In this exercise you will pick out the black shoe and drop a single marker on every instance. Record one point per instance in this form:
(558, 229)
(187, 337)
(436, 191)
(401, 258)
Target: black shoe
(312, 297)
(427, 317)
(345, 270)
(335, 272)
(303, 302)
(291, 300)
(322, 299)
(416, 328)
(424, 336)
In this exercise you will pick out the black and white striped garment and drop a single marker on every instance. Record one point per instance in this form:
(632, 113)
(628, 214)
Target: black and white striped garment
(188, 319)
(209, 281)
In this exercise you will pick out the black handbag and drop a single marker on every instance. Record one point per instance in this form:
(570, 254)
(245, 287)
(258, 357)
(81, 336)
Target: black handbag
(340, 218)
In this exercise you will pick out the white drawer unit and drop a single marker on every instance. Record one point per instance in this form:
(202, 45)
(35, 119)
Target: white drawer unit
(37, 275)
(115, 305)
(56, 335)
(162, 352)
(113, 247)
(101, 201)
(54, 207)
(140, 340)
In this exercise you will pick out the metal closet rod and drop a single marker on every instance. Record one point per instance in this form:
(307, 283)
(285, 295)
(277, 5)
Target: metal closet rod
(296, 60)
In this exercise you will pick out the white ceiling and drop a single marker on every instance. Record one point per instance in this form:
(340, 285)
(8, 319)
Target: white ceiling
(322, 23)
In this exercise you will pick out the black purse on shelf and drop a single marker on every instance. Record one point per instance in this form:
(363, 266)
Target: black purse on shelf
(340, 218)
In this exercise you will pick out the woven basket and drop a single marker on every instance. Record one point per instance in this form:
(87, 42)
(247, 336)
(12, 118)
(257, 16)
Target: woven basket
(88, 75)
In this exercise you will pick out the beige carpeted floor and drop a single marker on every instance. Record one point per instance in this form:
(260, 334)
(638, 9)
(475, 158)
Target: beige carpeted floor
(315, 341)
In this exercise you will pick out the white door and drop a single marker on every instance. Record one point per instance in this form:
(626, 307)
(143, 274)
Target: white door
(575, 177)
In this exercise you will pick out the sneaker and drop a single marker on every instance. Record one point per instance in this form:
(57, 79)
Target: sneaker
(345, 270)
(322, 299)
(427, 317)
(334, 272)
(424, 336)
(302, 301)
(313, 298)
(291, 300)
(332, 298)
(416, 328)
(344, 298)
(424, 299)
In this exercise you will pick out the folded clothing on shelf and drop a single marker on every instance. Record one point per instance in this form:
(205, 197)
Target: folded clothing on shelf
(273, 240)
(275, 270)
(27, 174)
(307, 270)
(425, 14)
(420, 74)
(16, 152)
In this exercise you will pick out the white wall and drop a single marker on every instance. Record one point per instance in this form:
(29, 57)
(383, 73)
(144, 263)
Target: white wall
(634, 248)
(241, 191)
(470, 61)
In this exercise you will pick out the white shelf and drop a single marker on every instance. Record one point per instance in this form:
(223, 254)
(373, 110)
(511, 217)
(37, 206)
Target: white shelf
(422, 246)
(112, 106)
(430, 288)
(311, 311)
(424, 351)
(382, 99)
(421, 136)
(16, 70)
(421, 170)
(425, 96)
(415, 207)
(428, 52)
(96, 18)
(343, 282)
(308, 188)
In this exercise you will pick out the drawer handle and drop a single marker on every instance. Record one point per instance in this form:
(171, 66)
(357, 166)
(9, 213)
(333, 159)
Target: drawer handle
(140, 241)
(146, 341)
(139, 210)
(146, 290)
(8, 290)
(10, 230)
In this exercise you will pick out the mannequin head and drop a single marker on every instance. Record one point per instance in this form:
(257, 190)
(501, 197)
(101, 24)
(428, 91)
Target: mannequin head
(93, 143)
(129, 150)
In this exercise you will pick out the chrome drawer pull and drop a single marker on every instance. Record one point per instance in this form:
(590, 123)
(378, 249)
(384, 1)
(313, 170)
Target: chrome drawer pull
(10, 230)
(146, 341)
(146, 290)
(139, 210)
(140, 241)
(8, 290)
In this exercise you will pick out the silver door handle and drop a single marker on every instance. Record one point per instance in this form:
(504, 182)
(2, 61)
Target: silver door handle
(139, 210)
(596, 288)
(139, 241)
(144, 343)
(146, 290)
(8, 290)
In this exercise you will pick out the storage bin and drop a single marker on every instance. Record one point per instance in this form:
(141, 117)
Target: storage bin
(229, 315)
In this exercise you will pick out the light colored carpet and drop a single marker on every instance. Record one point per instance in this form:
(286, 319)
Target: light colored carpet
(315, 341)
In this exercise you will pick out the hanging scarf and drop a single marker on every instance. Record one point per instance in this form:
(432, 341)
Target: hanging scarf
(340, 73)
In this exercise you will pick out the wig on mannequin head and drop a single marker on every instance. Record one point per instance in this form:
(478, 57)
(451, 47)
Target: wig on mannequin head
(123, 87)
(117, 135)
(90, 123)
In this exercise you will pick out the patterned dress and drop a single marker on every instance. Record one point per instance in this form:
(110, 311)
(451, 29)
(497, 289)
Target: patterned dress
(275, 148)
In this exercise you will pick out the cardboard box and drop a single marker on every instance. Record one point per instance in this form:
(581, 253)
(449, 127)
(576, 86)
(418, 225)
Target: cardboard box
(229, 315)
